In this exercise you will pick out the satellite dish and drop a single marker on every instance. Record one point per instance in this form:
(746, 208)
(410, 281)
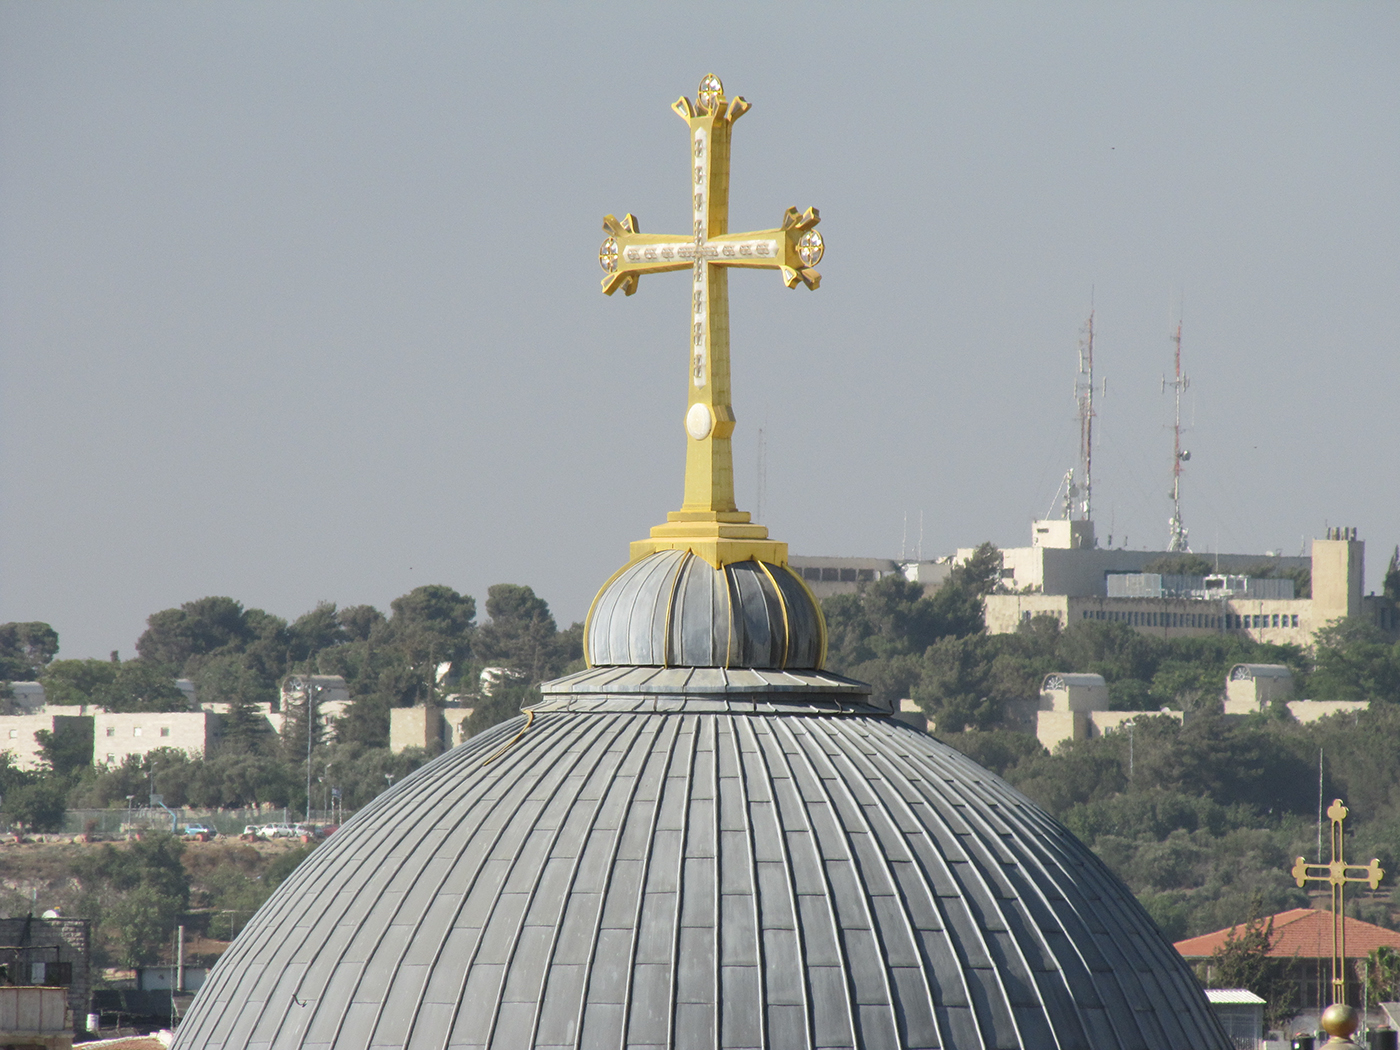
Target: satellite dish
(52, 913)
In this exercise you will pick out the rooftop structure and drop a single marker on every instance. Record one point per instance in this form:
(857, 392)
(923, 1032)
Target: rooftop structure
(704, 840)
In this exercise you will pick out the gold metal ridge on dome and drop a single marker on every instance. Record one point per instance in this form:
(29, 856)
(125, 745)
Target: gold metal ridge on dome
(709, 523)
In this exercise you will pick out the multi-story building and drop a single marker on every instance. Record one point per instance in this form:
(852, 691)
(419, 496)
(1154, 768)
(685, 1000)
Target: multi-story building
(118, 736)
(1074, 583)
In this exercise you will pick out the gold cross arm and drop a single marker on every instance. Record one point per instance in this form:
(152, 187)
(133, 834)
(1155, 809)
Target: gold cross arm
(1337, 872)
(793, 249)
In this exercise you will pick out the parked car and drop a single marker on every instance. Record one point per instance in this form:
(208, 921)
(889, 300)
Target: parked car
(250, 832)
(200, 832)
(277, 831)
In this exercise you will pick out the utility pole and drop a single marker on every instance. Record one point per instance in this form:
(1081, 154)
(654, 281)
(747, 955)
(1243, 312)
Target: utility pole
(1177, 541)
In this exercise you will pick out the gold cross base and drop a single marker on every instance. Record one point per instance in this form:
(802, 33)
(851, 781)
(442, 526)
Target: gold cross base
(719, 537)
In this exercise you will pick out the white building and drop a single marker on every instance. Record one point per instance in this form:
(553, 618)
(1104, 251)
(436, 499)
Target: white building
(1074, 584)
(118, 736)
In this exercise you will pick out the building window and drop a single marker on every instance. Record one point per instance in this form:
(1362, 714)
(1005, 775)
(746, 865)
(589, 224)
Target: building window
(135, 730)
(1275, 619)
(1295, 619)
(111, 758)
(111, 730)
(164, 730)
(14, 733)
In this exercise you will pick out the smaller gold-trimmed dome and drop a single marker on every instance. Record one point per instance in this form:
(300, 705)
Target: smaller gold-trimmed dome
(672, 609)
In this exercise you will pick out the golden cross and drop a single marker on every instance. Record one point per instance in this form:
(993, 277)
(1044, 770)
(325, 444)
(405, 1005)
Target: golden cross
(1338, 873)
(709, 523)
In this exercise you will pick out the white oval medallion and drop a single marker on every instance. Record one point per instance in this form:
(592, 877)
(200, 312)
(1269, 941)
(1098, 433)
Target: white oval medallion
(698, 422)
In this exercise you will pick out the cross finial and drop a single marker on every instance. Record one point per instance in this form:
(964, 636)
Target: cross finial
(1338, 873)
(709, 523)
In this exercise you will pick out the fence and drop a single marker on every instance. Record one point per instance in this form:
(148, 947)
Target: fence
(110, 822)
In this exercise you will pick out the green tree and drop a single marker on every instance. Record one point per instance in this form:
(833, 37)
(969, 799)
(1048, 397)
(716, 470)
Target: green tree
(981, 572)
(140, 923)
(361, 621)
(1391, 585)
(1243, 962)
(139, 685)
(430, 625)
(522, 635)
(37, 806)
(312, 632)
(1383, 975)
(1355, 661)
(68, 682)
(68, 748)
(955, 686)
(25, 650)
(229, 680)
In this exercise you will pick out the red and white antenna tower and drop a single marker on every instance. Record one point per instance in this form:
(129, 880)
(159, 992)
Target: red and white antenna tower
(1084, 396)
(1177, 541)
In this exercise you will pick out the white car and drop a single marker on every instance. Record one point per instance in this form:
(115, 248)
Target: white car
(277, 831)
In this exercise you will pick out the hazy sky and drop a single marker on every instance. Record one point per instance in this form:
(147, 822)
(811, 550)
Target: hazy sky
(300, 302)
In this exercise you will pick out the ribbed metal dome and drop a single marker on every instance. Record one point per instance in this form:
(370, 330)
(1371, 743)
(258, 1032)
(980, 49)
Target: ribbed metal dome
(701, 880)
(673, 609)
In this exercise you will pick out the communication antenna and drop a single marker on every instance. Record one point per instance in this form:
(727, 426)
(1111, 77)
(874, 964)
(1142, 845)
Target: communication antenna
(1177, 541)
(1084, 397)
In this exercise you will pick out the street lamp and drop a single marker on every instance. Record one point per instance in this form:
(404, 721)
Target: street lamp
(1129, 723)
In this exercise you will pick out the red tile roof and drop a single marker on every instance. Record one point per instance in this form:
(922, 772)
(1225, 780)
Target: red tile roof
(1303, 932)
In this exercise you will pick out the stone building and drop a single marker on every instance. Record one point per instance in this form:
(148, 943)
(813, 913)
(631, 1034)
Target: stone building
(117, 736)
(1075, 707)
(51, 952)
(1084, 588)
(434, 728)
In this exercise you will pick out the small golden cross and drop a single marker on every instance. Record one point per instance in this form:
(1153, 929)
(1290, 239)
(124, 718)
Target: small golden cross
(1338, 873)
(709, 522)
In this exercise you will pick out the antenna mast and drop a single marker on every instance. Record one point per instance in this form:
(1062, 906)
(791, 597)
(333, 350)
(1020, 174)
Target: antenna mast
(1180, 455)
(1084, 395)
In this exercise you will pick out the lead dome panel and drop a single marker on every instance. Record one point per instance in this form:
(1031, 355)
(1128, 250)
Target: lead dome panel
(701, 881)
(672, 609)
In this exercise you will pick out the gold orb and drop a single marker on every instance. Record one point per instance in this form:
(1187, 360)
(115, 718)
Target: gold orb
(1340, 1021)
(711, 93)
(607, 256)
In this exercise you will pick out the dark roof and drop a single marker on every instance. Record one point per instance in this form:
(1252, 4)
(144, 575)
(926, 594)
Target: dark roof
(701, 879)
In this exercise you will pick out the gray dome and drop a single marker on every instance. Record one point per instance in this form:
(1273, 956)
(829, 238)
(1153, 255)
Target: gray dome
(672, 609)
(701, 880)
